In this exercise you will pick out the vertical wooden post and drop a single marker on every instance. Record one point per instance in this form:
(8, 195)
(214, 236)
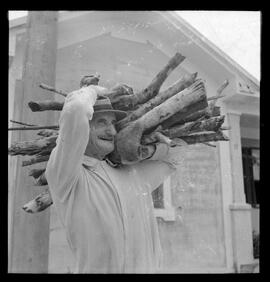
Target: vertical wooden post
(236, 158)
(240, 210)
(29, 234)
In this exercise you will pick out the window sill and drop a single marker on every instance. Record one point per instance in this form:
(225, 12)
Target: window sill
(168, 214)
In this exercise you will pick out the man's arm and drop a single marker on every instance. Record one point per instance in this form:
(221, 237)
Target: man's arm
(160, 165)
(65, 160)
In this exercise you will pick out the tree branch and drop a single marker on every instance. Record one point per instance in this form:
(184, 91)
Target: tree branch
(41, 181)
(48, 132)
(152, 90)
(193, 113)
(36, 159)
(32, 147)
(211, 124)
(36, 172)
(179, 103)
(219, 91)
(48, 105)
(39, 203)
(50, 88)
(205, 137)
(128, 103)
(22, 123)
(180, 85)
(35, 127)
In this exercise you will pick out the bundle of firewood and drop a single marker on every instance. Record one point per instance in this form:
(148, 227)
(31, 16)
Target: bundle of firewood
(181, 114)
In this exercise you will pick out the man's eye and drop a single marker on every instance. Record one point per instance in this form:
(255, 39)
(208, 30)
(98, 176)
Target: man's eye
(102, 122)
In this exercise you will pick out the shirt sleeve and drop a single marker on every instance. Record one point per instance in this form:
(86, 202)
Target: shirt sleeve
(166, 154)
(160, 166)
(153, 173)
(62, 169)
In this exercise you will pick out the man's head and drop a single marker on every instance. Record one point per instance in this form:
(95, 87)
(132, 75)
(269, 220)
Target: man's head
(102, 129)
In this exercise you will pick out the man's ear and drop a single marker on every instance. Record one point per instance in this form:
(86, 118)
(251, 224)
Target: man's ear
(147, 152)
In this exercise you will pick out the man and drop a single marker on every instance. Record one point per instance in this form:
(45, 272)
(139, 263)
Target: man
(107, 212)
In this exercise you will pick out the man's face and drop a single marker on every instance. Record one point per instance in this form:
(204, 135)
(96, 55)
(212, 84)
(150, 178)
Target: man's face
(101, 138)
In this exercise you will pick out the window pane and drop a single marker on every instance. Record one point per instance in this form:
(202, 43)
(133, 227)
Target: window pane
(157, 195)
(256, 164)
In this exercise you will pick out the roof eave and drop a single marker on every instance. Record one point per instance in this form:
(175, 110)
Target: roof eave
(212, 49)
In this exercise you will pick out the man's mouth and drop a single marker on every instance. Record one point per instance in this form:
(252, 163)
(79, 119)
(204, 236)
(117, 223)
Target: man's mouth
(106, 138)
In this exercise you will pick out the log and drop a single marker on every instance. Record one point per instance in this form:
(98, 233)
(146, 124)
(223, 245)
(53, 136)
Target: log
(211, 124)
(128, 139)
(42, 180)
(87, 80)
(195, 94)
(118, 91)
(179, 103)
(36, 173)
(35, 127)
(209, 145)
(215, 98)
(191, 114)
(50, 88)
(127, 103)
(152, 90)
(46, 151)
(47, 132)
(180, 85)
(207, 136)
(36, 159)
(22, 123)
(121, 90)
(39, 203)
(32, 147)
(222, 87)
(201, 137)
(47, 105)
(219, 91)
(210, 111)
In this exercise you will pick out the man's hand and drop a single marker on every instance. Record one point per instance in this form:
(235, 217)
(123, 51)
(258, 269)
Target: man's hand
(93, 91)
(128, 143)
(101, 91)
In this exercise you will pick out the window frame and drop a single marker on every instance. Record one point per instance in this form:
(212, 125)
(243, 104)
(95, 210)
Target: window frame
(249, 184)
(168, 213)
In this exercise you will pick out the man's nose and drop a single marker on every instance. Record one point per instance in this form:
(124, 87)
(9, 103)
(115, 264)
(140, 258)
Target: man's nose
(111, 129)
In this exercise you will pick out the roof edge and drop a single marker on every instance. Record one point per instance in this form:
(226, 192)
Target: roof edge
(185, 27)
(214, 50)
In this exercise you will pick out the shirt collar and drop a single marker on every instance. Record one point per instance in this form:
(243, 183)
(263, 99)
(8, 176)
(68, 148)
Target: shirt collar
(90, 162)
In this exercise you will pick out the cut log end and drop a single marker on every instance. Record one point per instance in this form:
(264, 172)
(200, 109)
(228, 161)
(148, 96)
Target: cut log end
(38, 204)
(89, 80)
(35, 107)
(36, 173)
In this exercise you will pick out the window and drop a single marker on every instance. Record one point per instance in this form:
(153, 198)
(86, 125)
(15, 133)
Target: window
(251, 171)
(157, 195)
(163, 202)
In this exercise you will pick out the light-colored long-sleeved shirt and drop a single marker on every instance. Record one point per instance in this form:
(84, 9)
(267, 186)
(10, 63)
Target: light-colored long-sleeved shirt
(107, 212)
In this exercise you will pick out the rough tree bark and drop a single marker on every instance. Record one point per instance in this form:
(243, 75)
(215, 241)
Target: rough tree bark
(180, 85)
(128, 103)
(179, 103)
